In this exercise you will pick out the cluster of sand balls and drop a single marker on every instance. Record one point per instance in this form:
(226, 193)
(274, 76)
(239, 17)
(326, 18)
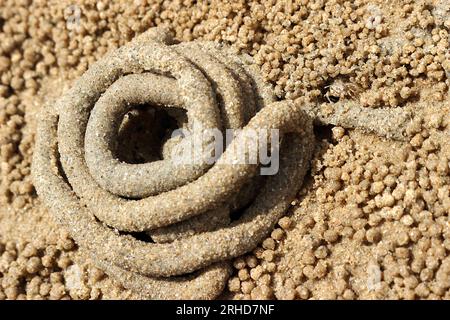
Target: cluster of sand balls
(351, 42)
(254, 272)
(43, 269)
(15, 154)
(391, 212)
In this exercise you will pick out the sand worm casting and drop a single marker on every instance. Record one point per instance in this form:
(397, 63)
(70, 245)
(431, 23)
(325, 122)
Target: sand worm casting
(186, 210)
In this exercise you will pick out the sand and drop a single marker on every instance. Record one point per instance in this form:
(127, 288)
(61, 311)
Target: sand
(371, 220)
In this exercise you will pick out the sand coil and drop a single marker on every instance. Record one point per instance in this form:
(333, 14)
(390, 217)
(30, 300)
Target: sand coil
(185, 209)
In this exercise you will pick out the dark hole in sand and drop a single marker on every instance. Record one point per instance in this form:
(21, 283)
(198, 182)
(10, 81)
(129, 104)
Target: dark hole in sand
(324, 132)
(143, 132)
(141, 236)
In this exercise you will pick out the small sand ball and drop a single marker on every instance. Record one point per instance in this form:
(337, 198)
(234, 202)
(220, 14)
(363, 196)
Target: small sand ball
(348, 294)
(12, 293)
(268, 255)
(308, 258)
(270, 267)
(285, 223)
(422, 290)
(265, 279)
(286, 294)
(256, 272)
(426, 274)
(277, 234)
(33, 286)
(377, 187)
(44, 289)
(373, 235)
(251, 261)
(308, 271)
(56, 277)
(234, 284)
(321, 252)
(297, 274)
(330, 236)
(57, 291)
(258, 252)
(302, 292)
(262, 292)
(247, 286)
(402, 238)
(320, 270)
(338, 133)
(29, 251)
(51, 251)
(407, 220)
(82, 293)
(239, 263)
(48, 261)
(67, 244)
(34, 265)
(269, 244)
(243, 274)
(64, 262)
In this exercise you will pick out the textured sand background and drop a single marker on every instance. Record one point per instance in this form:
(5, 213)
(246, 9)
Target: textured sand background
(372, 220)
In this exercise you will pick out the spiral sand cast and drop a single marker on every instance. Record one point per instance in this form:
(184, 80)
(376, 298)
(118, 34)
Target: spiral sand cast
(185, 209)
